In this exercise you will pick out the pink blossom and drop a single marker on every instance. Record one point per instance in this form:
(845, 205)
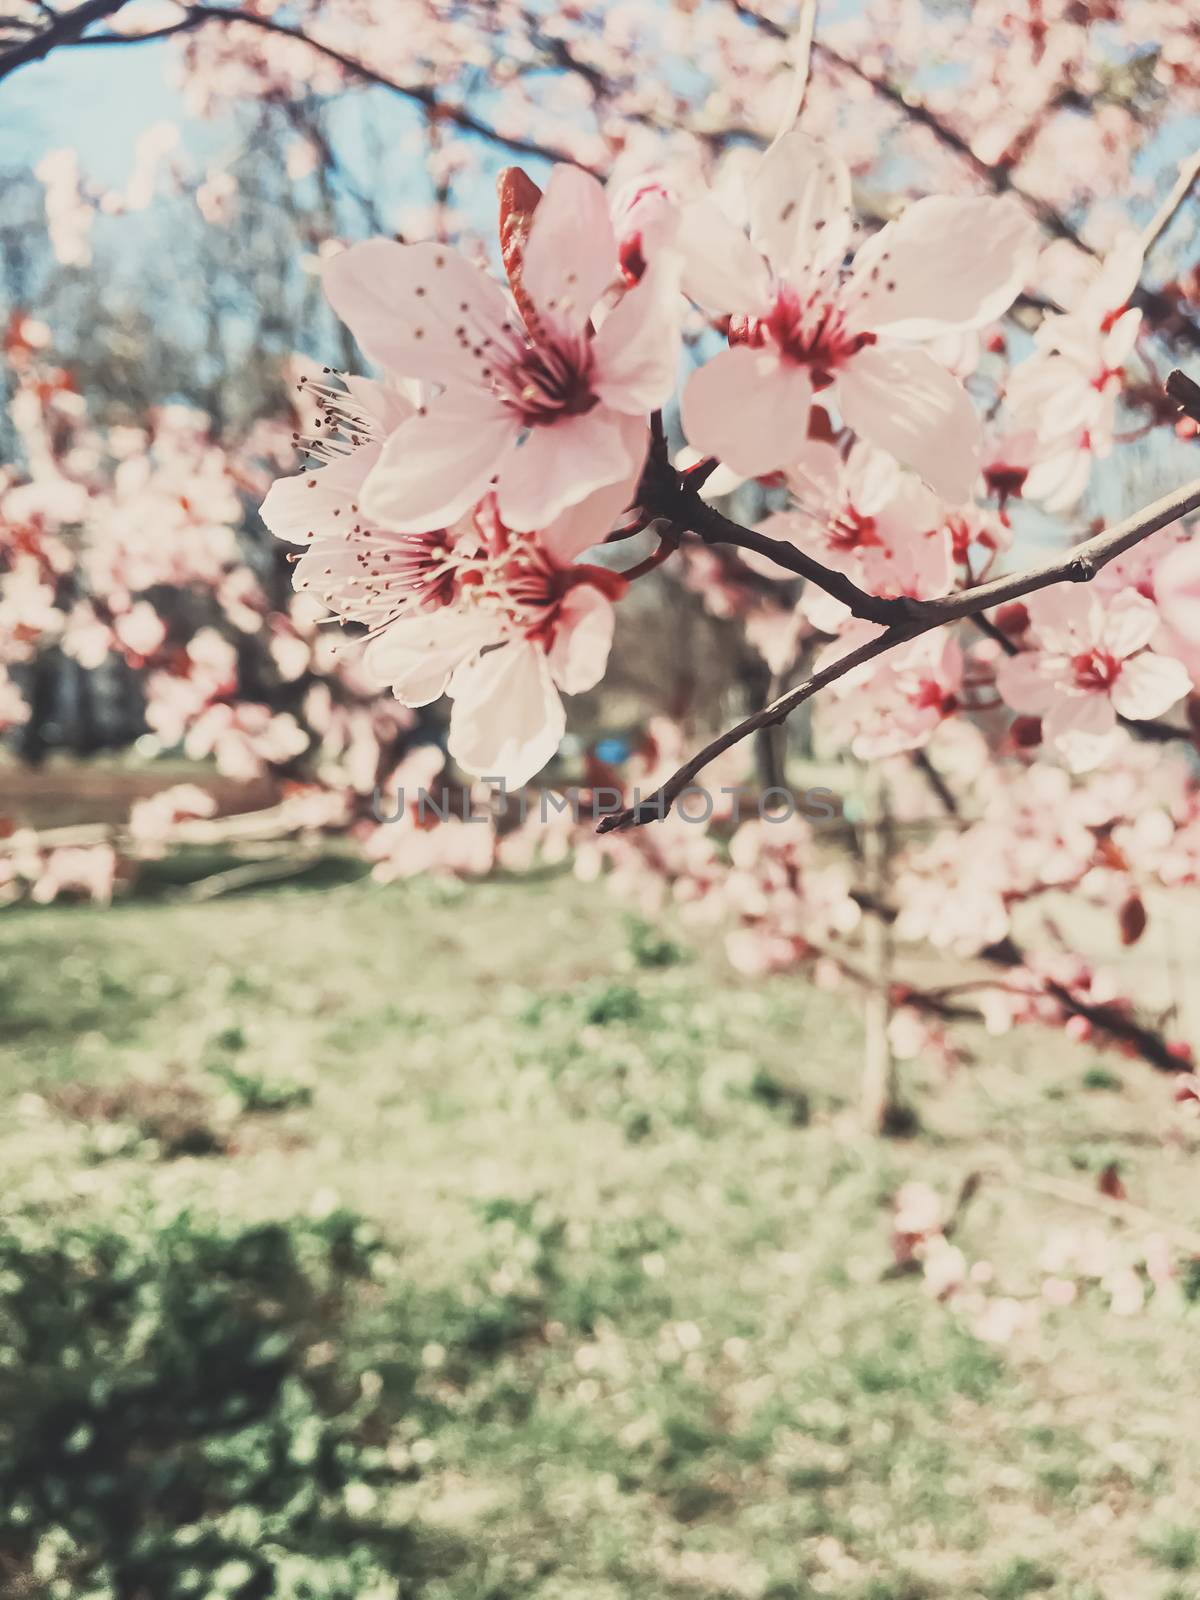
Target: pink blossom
(87, 870)
(1090, 665)
(151, 819)
(1177, 590)
(365, 574)
(1064, 397)
(543, 414)
(516, 621)
(800, 328)
(898, 702)
(863, 516)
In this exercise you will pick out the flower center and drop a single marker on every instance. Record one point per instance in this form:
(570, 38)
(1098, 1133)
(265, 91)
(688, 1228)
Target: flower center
(811, 332)
(850, 530)
(1095, 670)
(509, 575)
(377, 577)
(931, 696)
(547, 381)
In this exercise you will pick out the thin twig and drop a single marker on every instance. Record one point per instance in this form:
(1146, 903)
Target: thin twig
(1189, 176)
(70, 29)
(676, 498)
(1120, 1210)
(1078, 565)
(660, 802)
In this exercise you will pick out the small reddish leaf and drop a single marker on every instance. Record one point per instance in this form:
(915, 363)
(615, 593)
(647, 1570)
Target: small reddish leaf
(519, 197)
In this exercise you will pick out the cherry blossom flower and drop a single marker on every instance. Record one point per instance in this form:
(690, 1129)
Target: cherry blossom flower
(544, 413)
(865, 517)
(898, 702)
(520, 621)
(1063, 399)
(352, 418)
(799, 327)
(1177, 591)
(1090, 665)
(363, 573)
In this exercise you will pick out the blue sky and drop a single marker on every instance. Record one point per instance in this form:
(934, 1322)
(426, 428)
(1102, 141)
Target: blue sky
(98, 100)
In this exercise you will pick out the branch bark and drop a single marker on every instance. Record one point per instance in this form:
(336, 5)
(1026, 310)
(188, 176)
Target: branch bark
(66, 27)
(909, 618)
(70, 28)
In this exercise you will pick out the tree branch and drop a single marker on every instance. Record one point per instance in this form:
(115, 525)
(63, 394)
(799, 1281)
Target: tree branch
(675, 497)
(70, 29)
(1078, 565)
(656, 807)
(66, 27)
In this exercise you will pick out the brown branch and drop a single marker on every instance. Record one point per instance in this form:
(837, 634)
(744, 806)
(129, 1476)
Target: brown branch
(70, 30)
(660, 802)
(915, 617)
(675, 498)
(1186, 394)
(66, 27)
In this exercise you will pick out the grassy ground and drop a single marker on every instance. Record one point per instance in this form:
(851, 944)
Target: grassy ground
(641, 1248)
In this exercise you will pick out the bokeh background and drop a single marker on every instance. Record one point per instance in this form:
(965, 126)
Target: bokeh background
(454, 1212)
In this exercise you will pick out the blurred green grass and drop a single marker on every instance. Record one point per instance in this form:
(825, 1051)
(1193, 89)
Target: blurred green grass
(641, 1285)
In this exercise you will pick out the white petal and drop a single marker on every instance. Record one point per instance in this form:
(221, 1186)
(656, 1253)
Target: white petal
(437, 465)
(582, 640)
(420, 310)
(386, 404)
(902, 401)
(944, 264)
(816, 476)
(800, 207)
(508, 719)
(1127, 622)
(636, 351)
(561, 463)
(298, 507)
(583, 526)
(722, 269)
(416, 657)
(571, 253)
(873, 478)
(1149, 685)
(747, 408)
(1024, 684)
(1083, 729)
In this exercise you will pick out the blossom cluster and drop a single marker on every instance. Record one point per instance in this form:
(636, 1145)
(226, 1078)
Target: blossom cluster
(449, 505)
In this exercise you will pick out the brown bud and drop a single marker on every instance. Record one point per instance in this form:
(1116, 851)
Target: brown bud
(1012, 618)
(1132, 920)
(1109, 1182)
